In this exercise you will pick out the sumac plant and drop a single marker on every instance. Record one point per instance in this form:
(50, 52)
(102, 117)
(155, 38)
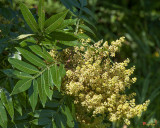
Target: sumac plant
(62, 78)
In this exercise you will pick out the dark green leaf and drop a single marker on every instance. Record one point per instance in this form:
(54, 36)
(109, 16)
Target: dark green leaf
(60, 120)
(7, 102)
(29, 18)
(43, 113)
(16, 74)
(86, 28)
(41, 121)
(53, 104)
(33, 94)
(41, 14)
(83, 3)
(3, 116)
(23, 66)
(63, 36)
(17, 105)
(21, 86)
(67, 112)
(31, 57)
(89, 12)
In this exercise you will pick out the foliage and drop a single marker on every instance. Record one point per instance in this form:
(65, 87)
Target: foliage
(30, 86)
(30, 80)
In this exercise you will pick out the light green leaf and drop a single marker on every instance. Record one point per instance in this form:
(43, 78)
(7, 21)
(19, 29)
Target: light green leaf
(62, 70)
(67, 23)
(24, 36)
(48, 83)
(54, 18)
(54, 22)
(63, 36)
(23, 66)
(3, 116)
(21, 86)
(41, 89)
(31, 57)
(54, 26)
(33, 95)
(56, 76)
(29, 18)
(41, 14)
(71, 43)
(37, 50)
(7, 102)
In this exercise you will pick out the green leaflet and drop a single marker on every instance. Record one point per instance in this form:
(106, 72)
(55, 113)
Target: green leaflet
(54, 22)
(58, 72)
(48, 83)
(83, 3)
(68, 114)
(21, 86)
(29, 18)
(63, 36)
(23, 66)
(56, 76)
(44, 113)
(67, 23)
(37, 50)
(24, 36)
(41, 14)
(86, 28)
(17, 105)
(7, 102)
(33, 95)
(16, 74)
(31, 57)
(54, 26)
(60, 120)
(3, 116)
(62, 70)
(41, 90)
(41, 121)
(54, 18)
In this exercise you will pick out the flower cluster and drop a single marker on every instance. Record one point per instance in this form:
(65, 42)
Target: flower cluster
(98, 84)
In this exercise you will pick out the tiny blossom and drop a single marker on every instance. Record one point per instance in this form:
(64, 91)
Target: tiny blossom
(98, 84)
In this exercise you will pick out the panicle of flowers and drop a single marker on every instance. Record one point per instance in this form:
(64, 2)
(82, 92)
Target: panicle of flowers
(98, 84)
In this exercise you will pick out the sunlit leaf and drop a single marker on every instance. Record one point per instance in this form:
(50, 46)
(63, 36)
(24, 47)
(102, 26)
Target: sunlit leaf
(23, 66)
(29, 18)
(21, 86)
